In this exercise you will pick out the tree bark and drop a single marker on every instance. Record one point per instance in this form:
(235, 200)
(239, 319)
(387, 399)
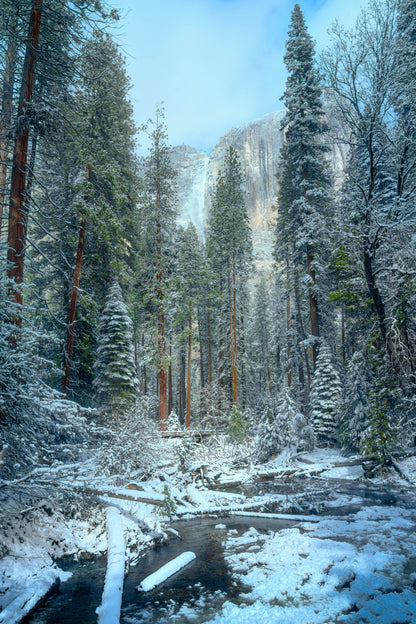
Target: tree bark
(209, 354)
(313, 306)
(18, 207)
(302, 330)
(375, 294)
(188, 385)
(69, 349)
(170, 394)
(6, 107)
(289, 366)
(234, 379)
(182, 377)
(161, 342)
(201, 350)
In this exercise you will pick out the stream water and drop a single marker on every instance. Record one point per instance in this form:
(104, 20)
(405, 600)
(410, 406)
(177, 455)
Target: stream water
(202, 587)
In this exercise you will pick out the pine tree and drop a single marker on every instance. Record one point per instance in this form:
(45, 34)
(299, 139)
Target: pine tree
(157, 227)
(229, 250)
(304, 193)
(115, 381)
(354, 420)
(188, 278)
(325, 398)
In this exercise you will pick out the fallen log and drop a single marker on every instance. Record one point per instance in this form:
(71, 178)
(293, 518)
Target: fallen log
(166, 571)
(32, 597)
(109, 610)
(130, 495)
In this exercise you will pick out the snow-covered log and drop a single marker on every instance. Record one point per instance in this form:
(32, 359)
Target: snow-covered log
(166, 571)
(109, 610)
(30, 598)
(128, 494)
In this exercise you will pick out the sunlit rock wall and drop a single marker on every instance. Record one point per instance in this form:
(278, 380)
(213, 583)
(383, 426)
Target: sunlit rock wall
(258, 144)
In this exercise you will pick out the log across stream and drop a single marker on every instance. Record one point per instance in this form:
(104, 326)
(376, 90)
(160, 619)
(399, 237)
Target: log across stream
(199, 589)
(203, 585)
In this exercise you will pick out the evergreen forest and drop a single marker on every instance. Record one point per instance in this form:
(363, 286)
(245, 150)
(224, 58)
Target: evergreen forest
(110, 308)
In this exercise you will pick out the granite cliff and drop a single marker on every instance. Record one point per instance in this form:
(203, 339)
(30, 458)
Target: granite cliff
(258, 144)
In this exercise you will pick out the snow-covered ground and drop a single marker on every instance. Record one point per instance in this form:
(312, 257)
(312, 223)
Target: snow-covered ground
(359, 567)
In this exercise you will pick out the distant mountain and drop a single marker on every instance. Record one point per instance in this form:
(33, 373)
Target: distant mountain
(258, 144)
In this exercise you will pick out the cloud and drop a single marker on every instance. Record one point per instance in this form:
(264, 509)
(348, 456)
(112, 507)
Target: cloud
(214, 63)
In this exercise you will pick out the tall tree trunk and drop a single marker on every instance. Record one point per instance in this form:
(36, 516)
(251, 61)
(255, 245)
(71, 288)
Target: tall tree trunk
(182, 376)
(144, 371)
(220, 375)
(69, 348)
(303, 335)
(188, 386)
(269, 377)
(6, 107)
(161, 341)
(209, 346)
(201, 350)
(243, 367)
(234, 379)
(18, 208)
(170, 395)
(289, 366)
(375, 295)
(313, 306)
(343, 343)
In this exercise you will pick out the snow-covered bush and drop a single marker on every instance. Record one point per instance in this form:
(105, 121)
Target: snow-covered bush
(133, 446)
(50, 430)
(214, 405)
(238, 424)
(325, 398)
(115, 381)
(22, 370)
(173, 423)
(185, 452)
(282, 426)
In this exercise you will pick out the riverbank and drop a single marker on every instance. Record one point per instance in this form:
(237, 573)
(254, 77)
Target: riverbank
(295, 484)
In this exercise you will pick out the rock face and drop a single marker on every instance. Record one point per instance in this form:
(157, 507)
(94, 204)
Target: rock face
(258, 145)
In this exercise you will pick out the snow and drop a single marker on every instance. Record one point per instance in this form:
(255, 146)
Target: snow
(343, 472)
(166, 571)
(109, 610)
(29, 597)
(345, 570)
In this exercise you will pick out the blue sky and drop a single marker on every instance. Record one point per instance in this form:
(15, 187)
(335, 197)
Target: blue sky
(215, 64)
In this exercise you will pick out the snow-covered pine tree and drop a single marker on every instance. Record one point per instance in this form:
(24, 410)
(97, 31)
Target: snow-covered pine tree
(157, 227)
(304, 193)
(229, 250)
(115, 381)
(354, 418)
(325, 398)
(282, 427)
